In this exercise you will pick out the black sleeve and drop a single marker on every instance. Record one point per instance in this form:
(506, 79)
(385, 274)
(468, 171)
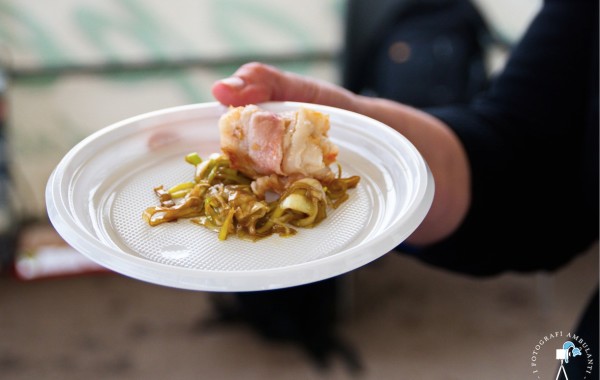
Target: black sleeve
(532, 143)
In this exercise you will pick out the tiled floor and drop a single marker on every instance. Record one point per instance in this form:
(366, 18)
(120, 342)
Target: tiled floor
(405, 320)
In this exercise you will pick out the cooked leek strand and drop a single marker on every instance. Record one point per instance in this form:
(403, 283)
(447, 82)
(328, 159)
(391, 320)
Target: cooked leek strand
(221, 199)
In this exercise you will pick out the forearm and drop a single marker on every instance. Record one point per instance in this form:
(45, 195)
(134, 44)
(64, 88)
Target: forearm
(445, 156)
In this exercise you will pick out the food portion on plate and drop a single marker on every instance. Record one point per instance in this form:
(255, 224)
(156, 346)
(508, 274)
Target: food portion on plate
(272, 176)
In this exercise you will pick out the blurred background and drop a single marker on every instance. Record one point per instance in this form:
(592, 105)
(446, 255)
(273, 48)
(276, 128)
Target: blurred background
(71, 67)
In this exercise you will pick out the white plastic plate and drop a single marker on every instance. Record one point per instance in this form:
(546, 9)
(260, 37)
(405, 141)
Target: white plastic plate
(96, 196)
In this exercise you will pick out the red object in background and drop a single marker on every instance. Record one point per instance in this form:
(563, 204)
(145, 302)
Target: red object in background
(42, 253)
(53, 261)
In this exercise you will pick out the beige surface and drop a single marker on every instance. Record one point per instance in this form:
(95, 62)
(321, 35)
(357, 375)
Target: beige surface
(406, 321)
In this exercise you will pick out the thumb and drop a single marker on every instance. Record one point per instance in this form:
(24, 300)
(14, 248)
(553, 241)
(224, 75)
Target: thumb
(257, 82)
(236, 91)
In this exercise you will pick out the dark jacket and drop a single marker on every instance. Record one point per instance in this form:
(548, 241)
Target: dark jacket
(532, 141)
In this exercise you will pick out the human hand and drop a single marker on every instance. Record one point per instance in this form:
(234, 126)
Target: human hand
(256, 82)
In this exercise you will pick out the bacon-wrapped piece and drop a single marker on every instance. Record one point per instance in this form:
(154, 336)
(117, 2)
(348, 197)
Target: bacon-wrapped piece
(277, 149)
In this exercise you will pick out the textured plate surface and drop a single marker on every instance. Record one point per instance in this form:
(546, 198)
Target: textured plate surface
(96, 195)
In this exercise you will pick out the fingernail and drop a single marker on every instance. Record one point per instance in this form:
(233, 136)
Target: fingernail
(233, 82)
